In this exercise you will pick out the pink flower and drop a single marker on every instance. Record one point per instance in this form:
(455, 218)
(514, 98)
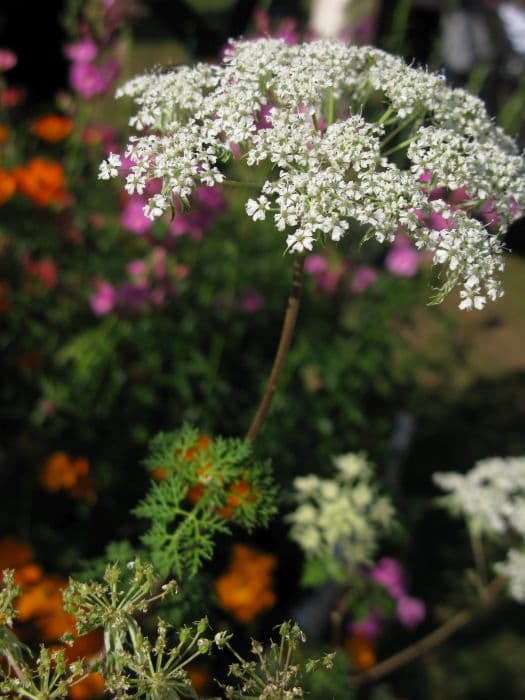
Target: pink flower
(315, 264)
(370, 627)
(410, 611)
(158, 263)
(137, 268)
(264, 118)
(90, 80)
(389, 573)
(132, 216)
(210, 197)
(157, 296)
(8, 60)
(489, 215)
(82, 51)
(235, 149)
(459, 196)
(134, 295)
(363, 278)
(252, 301)
(328, 282)
(402, 261)
(104, 300)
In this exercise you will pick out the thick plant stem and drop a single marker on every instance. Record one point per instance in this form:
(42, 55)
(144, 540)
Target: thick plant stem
(432, 640)
(287, 330)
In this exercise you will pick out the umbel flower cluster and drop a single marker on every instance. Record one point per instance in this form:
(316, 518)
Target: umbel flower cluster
(339, 521)
(353, 137)
(491, 498)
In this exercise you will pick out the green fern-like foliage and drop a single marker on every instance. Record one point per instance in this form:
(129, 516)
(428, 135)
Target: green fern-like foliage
(202, 486)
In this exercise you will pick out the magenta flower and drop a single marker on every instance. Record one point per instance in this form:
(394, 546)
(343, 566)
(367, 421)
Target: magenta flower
(8, 60)
(158, 263)
(137, 268)
(489, 215)
(363, 278)
(328, 282)
(134, 295)
(402, 261)
(157, 296)
(410, 611)
(90, 80)
(252, 301)
(315, 264)
(82, 51)
(370, 627)
(104, 300)
(210, 197)
(264, 118)
(132, 216)
(389, 573)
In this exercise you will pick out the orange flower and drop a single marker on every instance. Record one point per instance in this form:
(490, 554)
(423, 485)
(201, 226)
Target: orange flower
(7, 186)
(42, 600)
(63, 472)
(199, 676)
(42, 181)
(52, 127)
(195, 493)
(361, 651)
(14, 553)
(245, 589)
(29, 574)
(92, 686)
(239, 493)
(4, 133)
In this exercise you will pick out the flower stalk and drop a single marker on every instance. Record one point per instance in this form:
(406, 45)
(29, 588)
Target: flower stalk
(283, 347)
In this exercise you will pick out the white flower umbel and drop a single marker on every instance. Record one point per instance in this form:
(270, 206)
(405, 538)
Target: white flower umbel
(338, 521)
(347, 136)
(513, 568)
(491, 496)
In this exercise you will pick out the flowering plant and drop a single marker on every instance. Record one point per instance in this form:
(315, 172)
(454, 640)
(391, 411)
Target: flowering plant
(328, 119)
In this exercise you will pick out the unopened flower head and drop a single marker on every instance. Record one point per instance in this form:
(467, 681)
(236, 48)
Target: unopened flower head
(340, 520)
(351, 136)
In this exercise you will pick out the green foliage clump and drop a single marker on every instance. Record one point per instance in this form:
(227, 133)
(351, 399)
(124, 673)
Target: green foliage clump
(205, 486)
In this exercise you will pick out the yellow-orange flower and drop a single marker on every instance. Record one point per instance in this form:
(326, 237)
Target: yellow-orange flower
(42, 181)
(14, 553)
(92, 686)
(199, 676)
(7, 186)
(245, 590)
(52, 127)
(4, 133)
(361, 651)
(60, 472)
(42, 600)
(238, 494)
(191, 453)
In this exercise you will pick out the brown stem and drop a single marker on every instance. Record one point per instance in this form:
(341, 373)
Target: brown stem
(287, 330)
(432, 640)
